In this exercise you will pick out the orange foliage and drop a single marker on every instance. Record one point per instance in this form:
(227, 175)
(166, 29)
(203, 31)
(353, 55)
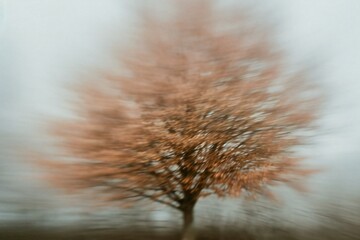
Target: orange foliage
(203, 106)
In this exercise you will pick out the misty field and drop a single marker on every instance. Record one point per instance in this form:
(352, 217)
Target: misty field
(211, 233)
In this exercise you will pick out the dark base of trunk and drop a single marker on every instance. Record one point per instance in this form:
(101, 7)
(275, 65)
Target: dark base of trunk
(188, 231)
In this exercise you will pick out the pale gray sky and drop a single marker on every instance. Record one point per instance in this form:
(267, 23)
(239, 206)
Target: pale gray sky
(45, 44)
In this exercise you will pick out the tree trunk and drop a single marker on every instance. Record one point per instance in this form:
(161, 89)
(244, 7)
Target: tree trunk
(188, 232)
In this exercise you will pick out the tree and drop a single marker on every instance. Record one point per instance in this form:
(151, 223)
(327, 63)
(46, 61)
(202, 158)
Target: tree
(200, 106)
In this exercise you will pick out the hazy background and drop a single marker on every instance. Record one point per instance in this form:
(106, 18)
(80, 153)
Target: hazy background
(47, 44)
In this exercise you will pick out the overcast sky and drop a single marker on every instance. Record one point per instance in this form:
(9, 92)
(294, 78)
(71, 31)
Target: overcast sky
(45, 44)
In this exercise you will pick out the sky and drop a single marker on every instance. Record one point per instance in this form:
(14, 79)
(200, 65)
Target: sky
(325, 31)
(45, 45)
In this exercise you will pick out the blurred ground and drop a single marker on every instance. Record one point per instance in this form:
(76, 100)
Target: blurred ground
(210, 232)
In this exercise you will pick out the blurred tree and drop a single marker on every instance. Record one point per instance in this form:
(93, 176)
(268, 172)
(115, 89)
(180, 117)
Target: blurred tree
(202, 106)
